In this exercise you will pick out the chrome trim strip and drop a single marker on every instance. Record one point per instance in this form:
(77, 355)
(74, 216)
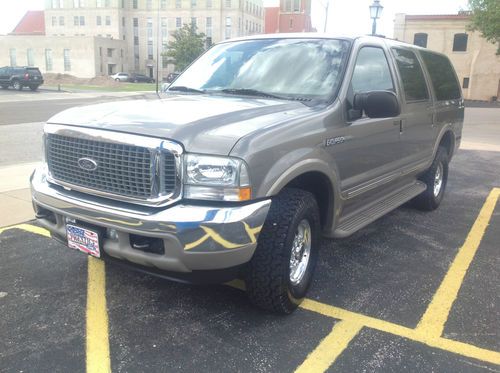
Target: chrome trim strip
(155, 145)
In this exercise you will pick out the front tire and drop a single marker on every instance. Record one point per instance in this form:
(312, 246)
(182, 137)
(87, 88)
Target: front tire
(281, 270)
(436, 178)
(16, 84)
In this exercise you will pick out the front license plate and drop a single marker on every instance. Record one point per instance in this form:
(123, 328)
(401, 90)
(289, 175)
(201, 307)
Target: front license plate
(83, 239)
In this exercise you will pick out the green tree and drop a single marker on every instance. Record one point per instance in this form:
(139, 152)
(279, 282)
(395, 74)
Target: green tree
(486, 19)
(186, 46)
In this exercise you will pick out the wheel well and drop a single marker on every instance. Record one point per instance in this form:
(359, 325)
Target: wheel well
(320, 186)
(448, 142)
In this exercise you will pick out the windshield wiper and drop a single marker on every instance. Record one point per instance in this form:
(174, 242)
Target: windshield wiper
(251, 92)
(181, 88)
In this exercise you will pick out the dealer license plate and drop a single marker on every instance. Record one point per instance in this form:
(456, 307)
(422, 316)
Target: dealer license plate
(83, 239)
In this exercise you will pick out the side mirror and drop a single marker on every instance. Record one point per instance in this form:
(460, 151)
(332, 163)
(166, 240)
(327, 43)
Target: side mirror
(377, 104)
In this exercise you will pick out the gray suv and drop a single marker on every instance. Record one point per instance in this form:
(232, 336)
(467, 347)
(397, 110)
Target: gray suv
(257, 150)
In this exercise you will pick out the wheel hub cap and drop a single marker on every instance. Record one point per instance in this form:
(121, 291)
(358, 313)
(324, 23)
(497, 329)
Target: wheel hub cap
(438, 180)
(301, 251)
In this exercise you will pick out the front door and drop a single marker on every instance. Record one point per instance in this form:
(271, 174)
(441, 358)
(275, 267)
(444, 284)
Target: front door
(367, 150)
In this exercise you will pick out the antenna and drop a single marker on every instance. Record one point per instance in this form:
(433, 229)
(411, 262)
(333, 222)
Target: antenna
(158, 40)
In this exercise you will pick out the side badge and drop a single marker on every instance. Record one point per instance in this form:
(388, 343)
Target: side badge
(335, 141)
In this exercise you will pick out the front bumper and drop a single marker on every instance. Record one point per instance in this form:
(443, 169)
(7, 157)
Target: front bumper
(195, 237)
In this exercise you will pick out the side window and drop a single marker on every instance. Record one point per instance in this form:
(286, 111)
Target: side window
(443, 78)
(411, 75)
(420, 39)
(460, 42)
(371, 72)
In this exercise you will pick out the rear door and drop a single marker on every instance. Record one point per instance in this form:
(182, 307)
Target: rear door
(417, 122)
(3, 75)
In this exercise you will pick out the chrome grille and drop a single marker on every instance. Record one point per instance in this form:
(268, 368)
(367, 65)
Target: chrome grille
(122, 169)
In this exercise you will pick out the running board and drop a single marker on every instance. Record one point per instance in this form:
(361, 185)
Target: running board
(361, 218)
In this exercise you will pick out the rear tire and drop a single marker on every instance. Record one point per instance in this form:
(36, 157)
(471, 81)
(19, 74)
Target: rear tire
(117, 80)
(33, 87)
(281, 270)
(5, 87)
(16, 84)
(436, 178)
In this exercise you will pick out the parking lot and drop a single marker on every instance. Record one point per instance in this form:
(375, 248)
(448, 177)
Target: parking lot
(414, 291)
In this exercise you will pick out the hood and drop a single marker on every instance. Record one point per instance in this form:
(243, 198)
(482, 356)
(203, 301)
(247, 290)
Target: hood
(201, 123)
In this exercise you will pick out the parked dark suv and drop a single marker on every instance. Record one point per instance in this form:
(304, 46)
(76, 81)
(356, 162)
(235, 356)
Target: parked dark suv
(19, 77)
(140, 78)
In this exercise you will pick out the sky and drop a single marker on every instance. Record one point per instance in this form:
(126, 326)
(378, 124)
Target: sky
(344, 16)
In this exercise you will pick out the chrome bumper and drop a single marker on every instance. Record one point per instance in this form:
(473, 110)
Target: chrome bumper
(195, 237)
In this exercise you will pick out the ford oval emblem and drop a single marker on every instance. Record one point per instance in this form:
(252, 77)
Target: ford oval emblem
(87, 164)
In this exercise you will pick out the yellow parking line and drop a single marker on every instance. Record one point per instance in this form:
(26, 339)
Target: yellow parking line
(435, 317)
(330, 347)
(97, 347)
(459, 348)
(29, 228)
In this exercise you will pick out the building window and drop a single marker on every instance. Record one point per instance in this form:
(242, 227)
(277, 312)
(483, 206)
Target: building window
(99, 3)
(465, 83)
(98, 21)
(136, 40)
(178, 4)
(208, 24)
(134, 4)
(420, 39)
(193, 21)
(61, 21)
(123, 21)
(209, 3)
(30, 57)
(164, 29)
(107, 3)
(54, 21)
(67, 61)
(78, 3)
(163, 4)
(56, 4)
(178, 22)
(108, 21)
(193, 3)
(150, 51)
(100, 51)
(228, 3)
(48, 59)
(82, 21)
(296, 6)
(460, 42)
(12, 55)
(122, 3)
(76, 20)
(228, 27)
(149, 4)
(136, 22)
(121, 53)
(291, 23)
(110, 52)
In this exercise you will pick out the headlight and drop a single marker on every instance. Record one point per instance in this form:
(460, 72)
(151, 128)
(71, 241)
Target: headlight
(216, 178)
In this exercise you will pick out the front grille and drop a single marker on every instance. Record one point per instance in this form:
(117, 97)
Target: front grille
(122, 169)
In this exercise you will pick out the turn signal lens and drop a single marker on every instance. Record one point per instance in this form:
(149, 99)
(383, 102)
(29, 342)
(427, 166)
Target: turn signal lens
(245, 194)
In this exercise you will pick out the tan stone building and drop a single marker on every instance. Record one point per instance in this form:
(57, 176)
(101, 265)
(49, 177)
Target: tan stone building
(474, 58)
(102, 37)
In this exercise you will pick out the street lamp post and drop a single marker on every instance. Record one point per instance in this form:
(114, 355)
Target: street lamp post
(375, 13)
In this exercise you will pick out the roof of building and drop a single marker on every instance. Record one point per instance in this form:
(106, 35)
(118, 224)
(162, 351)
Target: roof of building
(32, 23)
(437, 17)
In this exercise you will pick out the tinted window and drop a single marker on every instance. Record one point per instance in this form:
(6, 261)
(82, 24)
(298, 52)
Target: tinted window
(465, 83)
(420, 39)
(411, 74)
(442, 76)
(371, 72)
(460, 42)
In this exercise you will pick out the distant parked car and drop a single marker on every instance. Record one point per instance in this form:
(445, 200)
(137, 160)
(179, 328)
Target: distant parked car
(171, 77)
(140, 78)
(120, 77)
(19, 77)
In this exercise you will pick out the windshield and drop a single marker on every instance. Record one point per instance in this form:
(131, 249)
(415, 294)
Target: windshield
(303, 69)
